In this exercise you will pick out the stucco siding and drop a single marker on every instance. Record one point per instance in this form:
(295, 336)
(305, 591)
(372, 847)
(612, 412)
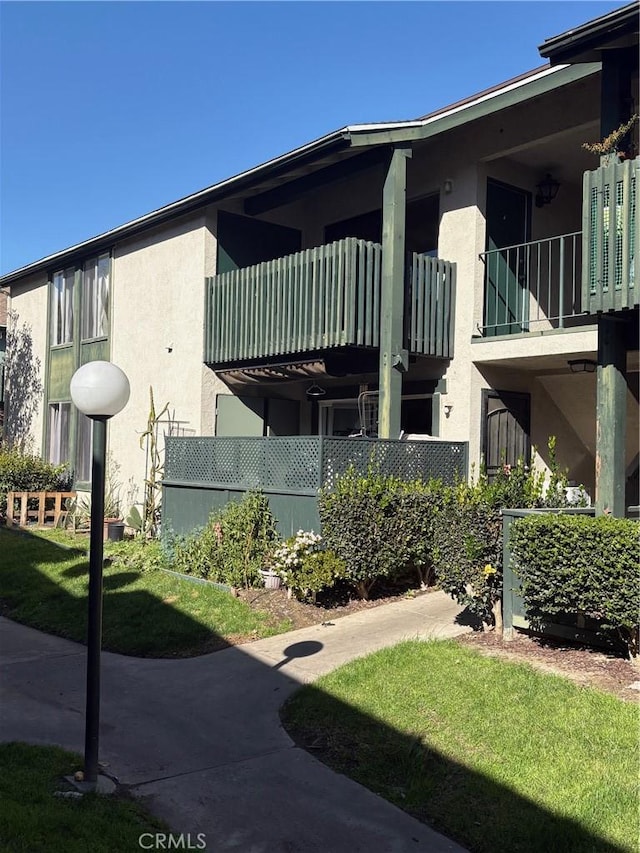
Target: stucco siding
(156, 335)
(28, 307)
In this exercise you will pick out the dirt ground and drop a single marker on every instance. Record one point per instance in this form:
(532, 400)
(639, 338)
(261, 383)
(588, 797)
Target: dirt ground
(586, 666)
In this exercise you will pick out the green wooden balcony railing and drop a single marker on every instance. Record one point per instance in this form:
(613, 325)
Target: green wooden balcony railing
(319, 299)
(611, 235)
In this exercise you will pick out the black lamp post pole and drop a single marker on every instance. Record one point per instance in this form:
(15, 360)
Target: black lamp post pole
(94, 625)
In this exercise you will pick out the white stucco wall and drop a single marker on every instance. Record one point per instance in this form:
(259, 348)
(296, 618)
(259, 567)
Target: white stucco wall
(157, 334)
(29, 302)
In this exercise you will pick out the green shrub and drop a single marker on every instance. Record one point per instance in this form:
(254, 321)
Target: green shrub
(467, 549)
(467, 540)
(234, 546)
(378, 525)
(22, 472)
(578, 564)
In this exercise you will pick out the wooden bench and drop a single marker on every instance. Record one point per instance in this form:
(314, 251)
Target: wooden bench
(52, 508)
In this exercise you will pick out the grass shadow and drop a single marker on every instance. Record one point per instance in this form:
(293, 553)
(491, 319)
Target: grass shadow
(476, 809)
(135, 622)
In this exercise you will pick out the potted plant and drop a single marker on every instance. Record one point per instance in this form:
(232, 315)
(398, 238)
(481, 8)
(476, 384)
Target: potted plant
(112, 514)
(271, 578)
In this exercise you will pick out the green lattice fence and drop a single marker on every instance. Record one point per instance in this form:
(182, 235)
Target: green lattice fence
(202, 474)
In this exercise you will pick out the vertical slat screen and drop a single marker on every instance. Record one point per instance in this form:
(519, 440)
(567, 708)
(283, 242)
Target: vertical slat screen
(321, 298)
(316, 299)
(431, 312)
(610, 237)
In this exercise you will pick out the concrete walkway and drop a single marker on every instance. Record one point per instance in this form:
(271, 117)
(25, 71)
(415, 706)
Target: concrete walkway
(200, 738)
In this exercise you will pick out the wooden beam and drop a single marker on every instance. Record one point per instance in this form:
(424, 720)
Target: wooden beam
(292, 190)
(611, 417)
(394, 359)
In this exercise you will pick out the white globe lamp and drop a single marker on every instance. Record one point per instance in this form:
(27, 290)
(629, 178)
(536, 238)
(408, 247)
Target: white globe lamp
(99, 389)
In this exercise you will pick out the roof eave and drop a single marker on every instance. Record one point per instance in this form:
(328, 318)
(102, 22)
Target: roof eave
(493, 100)
(182, 207)
(569, 45)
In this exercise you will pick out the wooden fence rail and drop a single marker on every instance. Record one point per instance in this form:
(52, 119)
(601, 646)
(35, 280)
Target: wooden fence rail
(51, 508)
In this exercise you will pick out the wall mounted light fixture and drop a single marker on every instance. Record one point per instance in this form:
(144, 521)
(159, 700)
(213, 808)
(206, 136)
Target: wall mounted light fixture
(547, 190)
(582, 365)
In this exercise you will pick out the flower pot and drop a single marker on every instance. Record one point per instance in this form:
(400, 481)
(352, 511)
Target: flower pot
(271, 580)
(113, 529)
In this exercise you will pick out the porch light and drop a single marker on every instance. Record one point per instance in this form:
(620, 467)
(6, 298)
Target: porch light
(547, 190)
(582, 365)
(315, 391)
(100, 390)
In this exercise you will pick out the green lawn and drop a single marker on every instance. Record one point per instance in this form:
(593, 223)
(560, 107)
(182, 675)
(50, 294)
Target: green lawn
(494, 754)
(33, 820)
(44, 583)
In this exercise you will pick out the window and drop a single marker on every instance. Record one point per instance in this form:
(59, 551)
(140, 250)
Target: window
(83, 449)
(95, 298)
(62, 307)
(59, 420)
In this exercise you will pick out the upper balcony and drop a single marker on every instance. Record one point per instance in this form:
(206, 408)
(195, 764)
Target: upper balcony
(322, 299)
(565, 281)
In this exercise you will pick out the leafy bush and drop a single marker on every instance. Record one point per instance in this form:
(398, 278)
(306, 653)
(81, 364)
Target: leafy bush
(234, 546)
(578, 564)
(304, 567)
(467, 545)
(22, 472)
(138, 555)
(378, 525)
(467, 540)
(383, 527)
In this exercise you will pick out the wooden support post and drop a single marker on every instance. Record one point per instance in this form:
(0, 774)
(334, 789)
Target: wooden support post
(611, 416)
(394, 359)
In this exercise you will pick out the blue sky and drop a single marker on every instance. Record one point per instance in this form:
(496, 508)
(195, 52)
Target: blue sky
(111, 110)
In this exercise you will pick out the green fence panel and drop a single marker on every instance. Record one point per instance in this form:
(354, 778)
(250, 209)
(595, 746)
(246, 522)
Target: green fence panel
(203, 473)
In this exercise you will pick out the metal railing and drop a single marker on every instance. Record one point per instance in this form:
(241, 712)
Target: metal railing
(324, 298)
(533, 286)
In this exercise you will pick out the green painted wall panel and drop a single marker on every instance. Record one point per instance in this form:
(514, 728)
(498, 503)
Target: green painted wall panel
(94, 351)
(185, 508)
(239, 416)
(62, 365)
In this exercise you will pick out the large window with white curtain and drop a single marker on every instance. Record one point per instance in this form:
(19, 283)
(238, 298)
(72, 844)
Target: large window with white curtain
(95, 298)
(59, 423)
(62, 307)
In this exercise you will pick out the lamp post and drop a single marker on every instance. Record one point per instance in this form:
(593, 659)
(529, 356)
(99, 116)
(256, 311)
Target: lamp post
(99, 390)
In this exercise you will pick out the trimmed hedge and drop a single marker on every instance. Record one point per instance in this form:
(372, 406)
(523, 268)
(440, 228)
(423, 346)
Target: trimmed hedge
(22, 472)
(383, 527)
(578, 564)
(379, 526)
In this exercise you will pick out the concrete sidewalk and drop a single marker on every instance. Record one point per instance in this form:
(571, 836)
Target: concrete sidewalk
(200, 738)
